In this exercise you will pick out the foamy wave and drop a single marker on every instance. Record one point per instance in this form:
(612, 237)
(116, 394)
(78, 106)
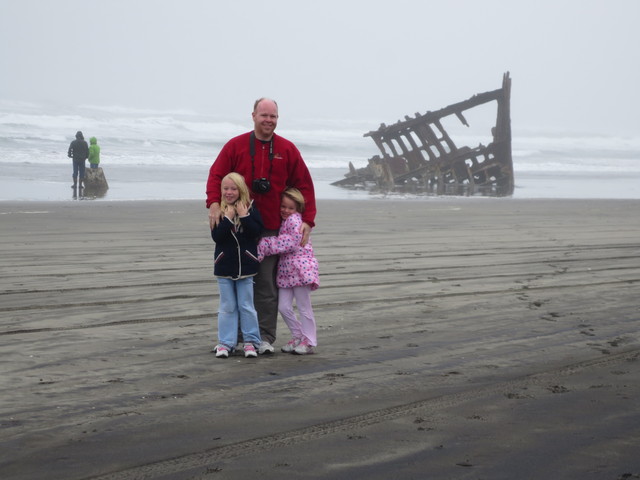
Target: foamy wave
(35, 134)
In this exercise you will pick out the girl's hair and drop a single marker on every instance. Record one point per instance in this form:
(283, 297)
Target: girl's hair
(297, 197)
(243, 190)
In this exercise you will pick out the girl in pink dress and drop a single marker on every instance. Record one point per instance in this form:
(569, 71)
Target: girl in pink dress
(297, 276)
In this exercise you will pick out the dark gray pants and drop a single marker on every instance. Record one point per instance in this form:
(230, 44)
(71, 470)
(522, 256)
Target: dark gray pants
(265, 298)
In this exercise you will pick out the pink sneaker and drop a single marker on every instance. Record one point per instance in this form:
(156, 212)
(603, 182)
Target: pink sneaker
(291, 345)
(303, 348)
(222, 351)
(250, 351)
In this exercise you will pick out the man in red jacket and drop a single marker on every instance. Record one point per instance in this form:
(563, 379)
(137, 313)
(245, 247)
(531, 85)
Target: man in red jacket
(269, 163)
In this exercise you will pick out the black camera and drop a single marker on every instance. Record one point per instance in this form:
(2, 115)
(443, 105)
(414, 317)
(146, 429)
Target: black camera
(261, 185)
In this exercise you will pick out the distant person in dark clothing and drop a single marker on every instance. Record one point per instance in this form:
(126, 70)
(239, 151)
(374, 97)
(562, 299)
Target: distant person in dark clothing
(79, 152)
(94, 153)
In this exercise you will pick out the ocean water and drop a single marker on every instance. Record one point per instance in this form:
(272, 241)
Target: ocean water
(148, 155)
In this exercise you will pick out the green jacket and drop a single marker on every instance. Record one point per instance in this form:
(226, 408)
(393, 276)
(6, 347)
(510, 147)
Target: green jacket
(94, 151)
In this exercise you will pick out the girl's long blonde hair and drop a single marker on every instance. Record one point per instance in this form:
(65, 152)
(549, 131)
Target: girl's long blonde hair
(243, 190)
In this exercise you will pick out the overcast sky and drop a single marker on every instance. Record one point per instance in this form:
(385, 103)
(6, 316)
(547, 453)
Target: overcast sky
(574, 63)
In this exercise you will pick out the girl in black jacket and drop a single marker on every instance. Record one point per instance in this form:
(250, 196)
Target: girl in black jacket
(236, 263)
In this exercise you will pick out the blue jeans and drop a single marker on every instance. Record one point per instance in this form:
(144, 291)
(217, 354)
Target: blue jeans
(236, 307)
(78, 169)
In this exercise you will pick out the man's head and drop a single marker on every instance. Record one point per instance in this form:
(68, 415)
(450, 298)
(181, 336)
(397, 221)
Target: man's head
(265, 118)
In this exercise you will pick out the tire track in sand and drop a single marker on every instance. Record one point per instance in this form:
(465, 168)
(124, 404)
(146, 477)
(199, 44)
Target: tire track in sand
(204, 459)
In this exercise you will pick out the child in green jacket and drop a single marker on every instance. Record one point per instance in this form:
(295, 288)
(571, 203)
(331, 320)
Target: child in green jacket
(94, 152)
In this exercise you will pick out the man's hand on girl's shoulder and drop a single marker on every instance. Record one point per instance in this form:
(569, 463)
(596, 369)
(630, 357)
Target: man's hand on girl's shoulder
(214, 214)
(305, 230)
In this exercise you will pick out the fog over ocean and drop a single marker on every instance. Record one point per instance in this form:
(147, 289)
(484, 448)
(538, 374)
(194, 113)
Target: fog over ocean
(149, 154)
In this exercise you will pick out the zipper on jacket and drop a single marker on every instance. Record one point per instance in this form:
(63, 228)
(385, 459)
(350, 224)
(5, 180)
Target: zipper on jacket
(251, 255)
(239, 254)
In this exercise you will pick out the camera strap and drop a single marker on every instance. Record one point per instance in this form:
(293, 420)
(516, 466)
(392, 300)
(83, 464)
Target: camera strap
(252, 152)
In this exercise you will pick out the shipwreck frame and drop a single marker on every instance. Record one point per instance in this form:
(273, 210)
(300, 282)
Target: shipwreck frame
(418, 155)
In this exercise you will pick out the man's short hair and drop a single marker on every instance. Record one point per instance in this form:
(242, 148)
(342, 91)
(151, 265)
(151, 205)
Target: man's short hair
(255, 105)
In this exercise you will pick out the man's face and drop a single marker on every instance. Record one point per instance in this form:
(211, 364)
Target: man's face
(265, 119)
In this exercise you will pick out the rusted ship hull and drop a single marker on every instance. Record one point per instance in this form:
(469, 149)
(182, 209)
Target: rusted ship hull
(418, 155)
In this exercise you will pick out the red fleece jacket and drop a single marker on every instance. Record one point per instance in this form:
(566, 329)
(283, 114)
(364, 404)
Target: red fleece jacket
(289, 170)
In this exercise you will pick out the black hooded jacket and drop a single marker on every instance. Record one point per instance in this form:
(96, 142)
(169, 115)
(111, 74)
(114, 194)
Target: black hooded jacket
(236, 254)
(79, 149)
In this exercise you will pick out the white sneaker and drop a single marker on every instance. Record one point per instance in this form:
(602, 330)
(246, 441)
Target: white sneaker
(265, 347)
(291, 345)
(222, 351)
(250, 351)
(304, 348)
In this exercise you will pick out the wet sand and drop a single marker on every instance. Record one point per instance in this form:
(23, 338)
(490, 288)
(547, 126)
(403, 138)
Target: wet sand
(459, 338)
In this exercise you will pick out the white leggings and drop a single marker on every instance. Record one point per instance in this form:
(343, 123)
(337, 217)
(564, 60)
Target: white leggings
(306, 326)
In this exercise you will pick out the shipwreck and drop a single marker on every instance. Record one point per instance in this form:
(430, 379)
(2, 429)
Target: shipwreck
(418, 155)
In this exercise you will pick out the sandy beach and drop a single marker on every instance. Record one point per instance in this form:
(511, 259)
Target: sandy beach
(459, 338)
